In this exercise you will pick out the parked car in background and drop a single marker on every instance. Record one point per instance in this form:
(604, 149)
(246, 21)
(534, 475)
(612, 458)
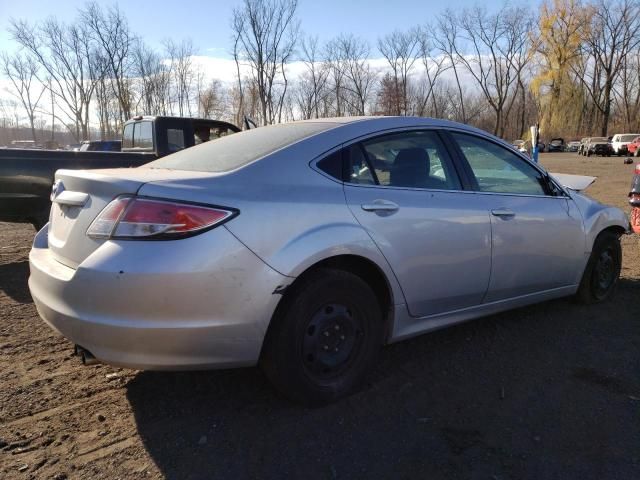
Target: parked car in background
(632, 148)
(304, 247)
(556, 145)
(573, 146)
(620, 142)
(599, 146)
(541, 147)
(100, 146)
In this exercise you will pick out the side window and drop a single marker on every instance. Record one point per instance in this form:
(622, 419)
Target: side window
(411, 159)
(332, 165)
(175, 139)
(143, 135)
(359, 170)
(127, 136)
(498, 170)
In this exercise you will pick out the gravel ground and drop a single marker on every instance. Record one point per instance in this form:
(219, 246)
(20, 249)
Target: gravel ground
(545, 392)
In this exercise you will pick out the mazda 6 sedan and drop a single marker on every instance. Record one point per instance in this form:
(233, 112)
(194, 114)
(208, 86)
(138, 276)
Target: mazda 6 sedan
(304, 247)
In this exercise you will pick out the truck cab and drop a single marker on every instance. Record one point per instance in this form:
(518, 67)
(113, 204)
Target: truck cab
(166, 135)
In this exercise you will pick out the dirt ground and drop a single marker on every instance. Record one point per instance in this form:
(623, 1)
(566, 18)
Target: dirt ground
(546, 392)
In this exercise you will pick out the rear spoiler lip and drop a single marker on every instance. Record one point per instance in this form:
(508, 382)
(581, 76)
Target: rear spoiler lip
(576, 183)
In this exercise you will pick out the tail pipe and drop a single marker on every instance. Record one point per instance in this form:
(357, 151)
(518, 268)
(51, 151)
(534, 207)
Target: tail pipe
(86, 356)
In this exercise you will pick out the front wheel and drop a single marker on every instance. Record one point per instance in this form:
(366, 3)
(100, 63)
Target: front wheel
(324, 338)
(601, 275)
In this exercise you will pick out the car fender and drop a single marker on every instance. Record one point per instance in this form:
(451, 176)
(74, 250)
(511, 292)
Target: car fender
(598, 217)
(330, 240)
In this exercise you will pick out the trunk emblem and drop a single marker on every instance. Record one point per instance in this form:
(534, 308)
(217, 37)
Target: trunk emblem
(56, 189)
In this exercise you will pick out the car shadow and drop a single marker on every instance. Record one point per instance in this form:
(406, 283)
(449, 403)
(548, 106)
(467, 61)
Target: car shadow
(548, 391)
(14, 281)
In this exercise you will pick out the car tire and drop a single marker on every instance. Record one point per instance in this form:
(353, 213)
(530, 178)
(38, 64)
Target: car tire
(601, 275)
(324, 337)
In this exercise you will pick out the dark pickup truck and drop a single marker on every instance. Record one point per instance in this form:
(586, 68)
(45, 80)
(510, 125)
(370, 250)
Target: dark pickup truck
(26, 176)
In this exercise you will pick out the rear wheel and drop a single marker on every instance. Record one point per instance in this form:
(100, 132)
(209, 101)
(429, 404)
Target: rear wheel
(601, 275)
(323, 338)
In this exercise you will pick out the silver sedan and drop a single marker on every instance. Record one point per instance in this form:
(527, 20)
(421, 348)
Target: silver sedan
(305, 247)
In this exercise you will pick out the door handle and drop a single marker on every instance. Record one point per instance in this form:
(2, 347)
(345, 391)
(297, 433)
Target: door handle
(380, 206)
(503, 212)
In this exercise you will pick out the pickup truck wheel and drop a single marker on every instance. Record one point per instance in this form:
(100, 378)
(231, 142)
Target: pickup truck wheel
(324, 339)
(601, 275)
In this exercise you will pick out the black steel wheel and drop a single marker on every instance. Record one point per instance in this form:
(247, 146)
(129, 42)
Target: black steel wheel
(324, 337)
(333, 338)
(601, 275)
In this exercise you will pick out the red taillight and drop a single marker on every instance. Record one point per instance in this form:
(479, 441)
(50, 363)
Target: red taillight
(132, 217)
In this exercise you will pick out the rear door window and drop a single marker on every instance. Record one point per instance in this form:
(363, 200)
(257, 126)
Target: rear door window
(415, 159)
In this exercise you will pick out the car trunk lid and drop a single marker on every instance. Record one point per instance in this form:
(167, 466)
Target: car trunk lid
(78, 196)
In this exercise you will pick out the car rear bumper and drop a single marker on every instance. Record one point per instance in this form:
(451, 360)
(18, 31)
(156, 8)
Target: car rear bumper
(202, 302)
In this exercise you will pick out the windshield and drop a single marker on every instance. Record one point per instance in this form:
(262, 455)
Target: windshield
(234, 151)
(628, 138)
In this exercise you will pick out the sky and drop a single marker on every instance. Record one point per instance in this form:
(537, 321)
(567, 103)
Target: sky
(207, 22)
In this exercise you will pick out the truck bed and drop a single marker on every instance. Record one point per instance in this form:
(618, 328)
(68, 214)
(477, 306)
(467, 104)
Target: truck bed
(26, 177)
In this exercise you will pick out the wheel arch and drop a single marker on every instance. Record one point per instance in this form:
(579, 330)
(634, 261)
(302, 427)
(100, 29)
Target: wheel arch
(368, 270)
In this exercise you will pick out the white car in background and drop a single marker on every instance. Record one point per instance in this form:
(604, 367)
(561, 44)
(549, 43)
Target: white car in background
(620, 141)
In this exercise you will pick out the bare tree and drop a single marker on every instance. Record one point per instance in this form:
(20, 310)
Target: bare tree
(400, 49)
(317, 72)
(498, 51)
(22, 71)
(182, 72)
(266, 32)
(153, 80)
(435, 63)
(445, 35)
(612, 35)
(67, 56)
(353, 61)
(110, 30)
(336, 78)
(211, 100)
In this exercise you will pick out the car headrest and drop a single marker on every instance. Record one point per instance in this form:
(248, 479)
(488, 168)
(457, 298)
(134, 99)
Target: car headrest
(410, 168)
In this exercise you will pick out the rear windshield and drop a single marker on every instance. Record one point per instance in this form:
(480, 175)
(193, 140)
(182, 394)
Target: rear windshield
(233, 151)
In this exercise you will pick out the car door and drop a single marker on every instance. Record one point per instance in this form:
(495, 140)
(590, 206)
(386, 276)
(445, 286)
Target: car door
(538, 241)
(404, 190)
